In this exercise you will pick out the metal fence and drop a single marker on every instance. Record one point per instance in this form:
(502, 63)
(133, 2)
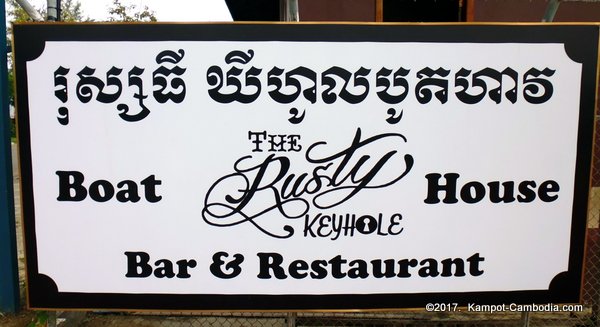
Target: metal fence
(406, 318)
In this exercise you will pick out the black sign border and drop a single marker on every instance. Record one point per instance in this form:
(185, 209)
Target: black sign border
(581, 44)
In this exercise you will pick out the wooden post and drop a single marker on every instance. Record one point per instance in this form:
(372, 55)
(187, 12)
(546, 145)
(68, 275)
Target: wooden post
(379, 11)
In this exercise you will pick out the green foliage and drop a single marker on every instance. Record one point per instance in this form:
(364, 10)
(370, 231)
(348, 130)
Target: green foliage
(70, 12)
(14, 12)
(40, 319)
(121, 13)
(11, 85)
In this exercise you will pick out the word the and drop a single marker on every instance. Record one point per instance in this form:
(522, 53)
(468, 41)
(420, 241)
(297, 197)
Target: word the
(277, 142)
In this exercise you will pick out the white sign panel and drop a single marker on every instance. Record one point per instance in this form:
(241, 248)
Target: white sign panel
(303, 167)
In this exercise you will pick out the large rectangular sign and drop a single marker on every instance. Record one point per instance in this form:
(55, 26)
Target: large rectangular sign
(292, 167)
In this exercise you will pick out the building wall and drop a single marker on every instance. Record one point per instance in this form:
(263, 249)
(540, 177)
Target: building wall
(478, 10)
(337, 10)
(533, 11)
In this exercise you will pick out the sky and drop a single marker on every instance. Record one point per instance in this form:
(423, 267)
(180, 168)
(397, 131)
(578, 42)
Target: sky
(165, 10)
